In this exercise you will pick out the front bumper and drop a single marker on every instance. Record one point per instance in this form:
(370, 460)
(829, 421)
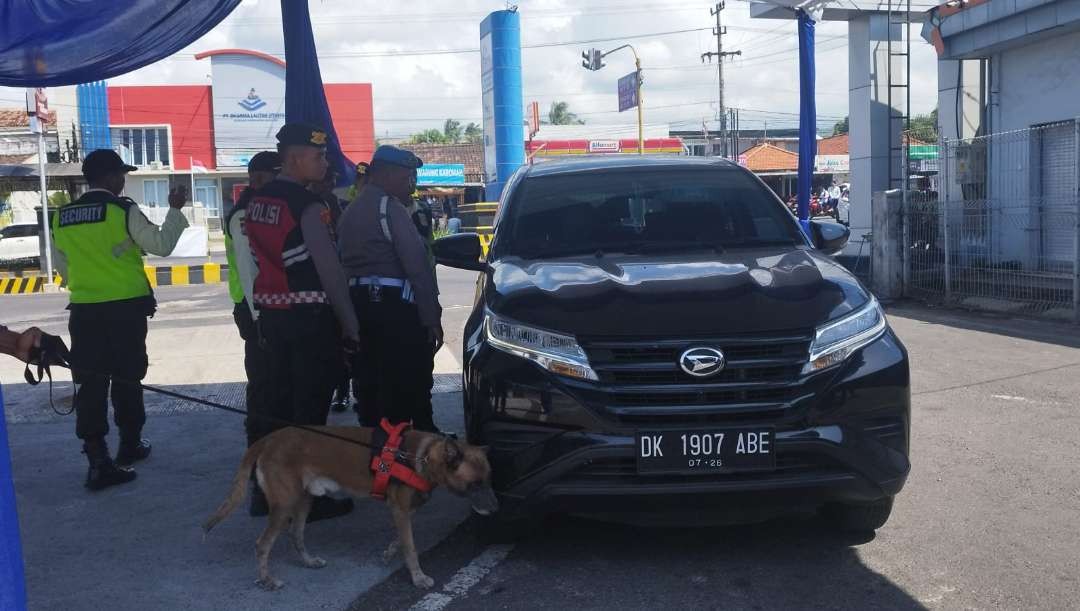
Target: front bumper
(844, 438)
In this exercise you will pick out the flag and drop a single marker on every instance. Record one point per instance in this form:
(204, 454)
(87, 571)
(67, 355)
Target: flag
(197, 167)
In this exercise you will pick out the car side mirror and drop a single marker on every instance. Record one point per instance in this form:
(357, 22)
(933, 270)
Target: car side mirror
(460, 250)
(829, 237)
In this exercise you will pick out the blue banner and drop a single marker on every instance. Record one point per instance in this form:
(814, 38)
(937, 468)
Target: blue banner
(441, 175)
(305, 98)
(807, 117)
(12, 584)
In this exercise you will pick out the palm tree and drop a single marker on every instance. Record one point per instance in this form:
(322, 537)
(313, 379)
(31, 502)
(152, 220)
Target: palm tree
(473, 133)
(452, 131)
(560, 115)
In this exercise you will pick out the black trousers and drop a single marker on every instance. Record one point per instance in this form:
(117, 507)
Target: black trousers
(257, 367)
(393, 371)
(108, 355)
(305, 363)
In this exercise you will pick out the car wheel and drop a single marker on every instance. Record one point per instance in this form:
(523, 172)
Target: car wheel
(861, 517)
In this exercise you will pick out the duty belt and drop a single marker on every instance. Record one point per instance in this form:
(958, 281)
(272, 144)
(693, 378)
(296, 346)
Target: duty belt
(375, 284)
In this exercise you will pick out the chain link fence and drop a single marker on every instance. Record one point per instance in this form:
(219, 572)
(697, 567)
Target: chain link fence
(1001, 233)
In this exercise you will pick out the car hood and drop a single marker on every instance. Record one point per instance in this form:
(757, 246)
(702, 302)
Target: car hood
(746, 291)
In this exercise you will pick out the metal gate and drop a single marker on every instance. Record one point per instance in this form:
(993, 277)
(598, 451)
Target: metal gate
(1000, 233)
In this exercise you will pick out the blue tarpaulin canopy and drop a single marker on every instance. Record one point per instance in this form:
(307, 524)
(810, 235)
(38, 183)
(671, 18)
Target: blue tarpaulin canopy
(47, 43)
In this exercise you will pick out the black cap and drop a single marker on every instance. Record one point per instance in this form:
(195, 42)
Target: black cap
(103, 162)
(265, 161)
(362, 168)
(301, 134)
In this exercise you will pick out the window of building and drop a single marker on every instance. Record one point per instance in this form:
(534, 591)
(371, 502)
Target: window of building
(142, 146)
(206, 193)
(156, 192)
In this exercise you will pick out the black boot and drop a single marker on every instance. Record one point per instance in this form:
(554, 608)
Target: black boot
(131, 451)
(259, 506)
(103, 472)
(325, 508)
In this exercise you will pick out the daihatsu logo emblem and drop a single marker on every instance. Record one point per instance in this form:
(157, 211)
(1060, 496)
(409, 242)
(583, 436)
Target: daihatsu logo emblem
(702, 362)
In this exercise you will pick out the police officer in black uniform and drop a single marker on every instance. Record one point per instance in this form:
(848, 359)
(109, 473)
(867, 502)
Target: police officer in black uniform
(301, 292)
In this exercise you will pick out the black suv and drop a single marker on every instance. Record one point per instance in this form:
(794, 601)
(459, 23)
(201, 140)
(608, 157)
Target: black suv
(658, 335)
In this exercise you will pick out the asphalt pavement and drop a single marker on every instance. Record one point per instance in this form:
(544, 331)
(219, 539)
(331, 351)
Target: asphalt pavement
(987, 519)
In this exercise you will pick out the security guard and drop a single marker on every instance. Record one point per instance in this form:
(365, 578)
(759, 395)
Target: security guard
(98, 240)
(300, 291)
(393, 291)
(262, 168)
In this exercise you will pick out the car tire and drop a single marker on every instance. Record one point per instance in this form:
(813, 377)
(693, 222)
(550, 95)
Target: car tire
(860, 517)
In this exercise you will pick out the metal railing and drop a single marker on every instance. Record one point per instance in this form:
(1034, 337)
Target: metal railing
(1001, 234)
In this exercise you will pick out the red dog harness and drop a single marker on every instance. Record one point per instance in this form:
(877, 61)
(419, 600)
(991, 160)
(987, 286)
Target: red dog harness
(391, 462)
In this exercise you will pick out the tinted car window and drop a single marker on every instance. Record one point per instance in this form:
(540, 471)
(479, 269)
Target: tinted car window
(628, 211)
(19, 231)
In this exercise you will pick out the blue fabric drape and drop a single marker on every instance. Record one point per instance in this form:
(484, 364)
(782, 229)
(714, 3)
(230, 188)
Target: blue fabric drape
(12, 584)
(65, 42)
(305, 99)
(807, 117)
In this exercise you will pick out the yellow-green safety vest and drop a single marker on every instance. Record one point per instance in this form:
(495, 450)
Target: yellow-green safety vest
(104, 264)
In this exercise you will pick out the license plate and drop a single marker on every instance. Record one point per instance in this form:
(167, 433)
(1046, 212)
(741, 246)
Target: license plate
(706, 451)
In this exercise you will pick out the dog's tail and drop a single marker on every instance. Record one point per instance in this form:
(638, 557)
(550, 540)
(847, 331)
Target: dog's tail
(239, 486)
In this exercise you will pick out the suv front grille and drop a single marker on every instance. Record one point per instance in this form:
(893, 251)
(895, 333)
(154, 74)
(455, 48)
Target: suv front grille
(642, 381)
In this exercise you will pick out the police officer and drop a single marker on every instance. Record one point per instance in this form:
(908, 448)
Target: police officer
(300, 290)
(99, 239)
(262, 168)
(393, 290)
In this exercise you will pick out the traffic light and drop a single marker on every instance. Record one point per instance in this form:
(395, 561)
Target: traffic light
(592, 59)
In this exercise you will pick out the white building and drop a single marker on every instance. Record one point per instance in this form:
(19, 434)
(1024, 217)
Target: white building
(1008, 99)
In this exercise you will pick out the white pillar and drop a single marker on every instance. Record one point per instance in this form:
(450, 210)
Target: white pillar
(869, 124)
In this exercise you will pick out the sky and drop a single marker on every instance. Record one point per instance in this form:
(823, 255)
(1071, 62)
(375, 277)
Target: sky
(423, 61)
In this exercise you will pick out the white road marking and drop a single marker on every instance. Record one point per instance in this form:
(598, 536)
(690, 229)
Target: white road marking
(465, 579)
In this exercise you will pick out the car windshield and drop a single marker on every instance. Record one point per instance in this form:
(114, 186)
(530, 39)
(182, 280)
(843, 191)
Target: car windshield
(642, 211)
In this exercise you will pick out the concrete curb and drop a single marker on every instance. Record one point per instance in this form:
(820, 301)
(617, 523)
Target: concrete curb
(158, 275)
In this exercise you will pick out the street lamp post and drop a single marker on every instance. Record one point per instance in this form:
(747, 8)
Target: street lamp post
(593, 60)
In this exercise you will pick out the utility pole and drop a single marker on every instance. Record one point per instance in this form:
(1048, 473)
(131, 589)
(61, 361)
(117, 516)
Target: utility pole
(719, 31)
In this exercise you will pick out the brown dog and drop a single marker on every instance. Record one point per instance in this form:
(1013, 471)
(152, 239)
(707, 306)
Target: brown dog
(293, 466)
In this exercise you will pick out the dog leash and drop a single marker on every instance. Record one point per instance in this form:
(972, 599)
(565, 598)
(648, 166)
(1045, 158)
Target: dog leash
(48, 354)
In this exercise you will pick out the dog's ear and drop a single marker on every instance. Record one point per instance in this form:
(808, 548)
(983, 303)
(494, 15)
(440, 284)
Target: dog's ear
(453, 454)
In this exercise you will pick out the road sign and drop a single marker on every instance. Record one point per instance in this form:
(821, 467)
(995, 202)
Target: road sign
(628, 91)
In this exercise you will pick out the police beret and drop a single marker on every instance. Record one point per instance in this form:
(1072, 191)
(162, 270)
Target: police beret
(395, 156)
(265, 161)
(301, 134)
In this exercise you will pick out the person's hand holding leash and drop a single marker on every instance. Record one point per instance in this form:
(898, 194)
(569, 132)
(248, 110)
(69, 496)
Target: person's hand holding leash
(26, 344)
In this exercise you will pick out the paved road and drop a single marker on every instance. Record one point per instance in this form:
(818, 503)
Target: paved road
(988, 518)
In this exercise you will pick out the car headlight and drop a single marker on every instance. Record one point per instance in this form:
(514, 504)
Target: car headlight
(555, 352)
(837, 340)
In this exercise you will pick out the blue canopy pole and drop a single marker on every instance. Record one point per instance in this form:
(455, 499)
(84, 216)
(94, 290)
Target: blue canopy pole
(807, 117)
(305, 99)
(12, 582)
